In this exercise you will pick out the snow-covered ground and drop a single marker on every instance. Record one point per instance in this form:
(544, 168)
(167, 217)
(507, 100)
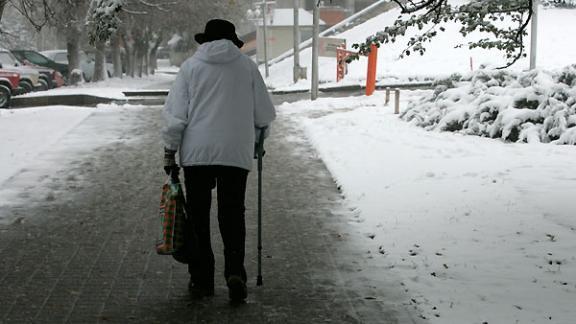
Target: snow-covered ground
(111, 88)
(36, 142)
(480, 231)
(555, 29)
(28, 132)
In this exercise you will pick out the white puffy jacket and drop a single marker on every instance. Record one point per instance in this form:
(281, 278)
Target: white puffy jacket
(216, 101)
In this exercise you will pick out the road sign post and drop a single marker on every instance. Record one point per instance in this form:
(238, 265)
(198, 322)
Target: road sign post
(315, 37)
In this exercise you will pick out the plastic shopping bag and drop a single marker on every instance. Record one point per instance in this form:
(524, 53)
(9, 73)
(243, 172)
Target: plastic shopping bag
(173, 218)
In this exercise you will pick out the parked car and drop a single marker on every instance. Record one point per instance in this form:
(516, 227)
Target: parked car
(45, 77)
(29, 78)
(9, 82)
(41, 60)
(86, 62)
(51, 77)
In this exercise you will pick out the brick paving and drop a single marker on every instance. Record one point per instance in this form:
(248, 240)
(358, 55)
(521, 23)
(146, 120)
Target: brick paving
(90, 259)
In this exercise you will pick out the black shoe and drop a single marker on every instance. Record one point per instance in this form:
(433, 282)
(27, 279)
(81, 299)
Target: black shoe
(237, 290)
(200, 291)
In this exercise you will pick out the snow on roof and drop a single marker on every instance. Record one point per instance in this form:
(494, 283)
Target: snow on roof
(285, 17)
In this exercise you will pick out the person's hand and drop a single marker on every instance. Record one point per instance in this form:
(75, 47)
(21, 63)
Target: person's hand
(256, 148)
(170, 166)
(261, 133)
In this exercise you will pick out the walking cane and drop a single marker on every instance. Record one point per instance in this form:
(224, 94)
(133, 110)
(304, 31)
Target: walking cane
(260, 153)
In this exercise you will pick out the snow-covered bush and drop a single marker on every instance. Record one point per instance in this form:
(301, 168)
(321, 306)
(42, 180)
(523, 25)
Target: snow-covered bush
(560, 3)
(103, 19)
(534, 106)
(76, 77)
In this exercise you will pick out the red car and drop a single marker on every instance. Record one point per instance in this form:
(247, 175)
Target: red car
(8, 86)
(57, 79)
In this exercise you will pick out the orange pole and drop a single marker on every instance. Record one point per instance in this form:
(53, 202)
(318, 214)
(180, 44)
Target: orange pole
(340, 54)
(371, 76)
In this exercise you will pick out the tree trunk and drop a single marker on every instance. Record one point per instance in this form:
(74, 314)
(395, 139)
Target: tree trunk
(100, 62)
(130, 61)
(73, 49)
(140, 60)
(147, 63)
(133, 63)
(130, 52)
(2, 5)
(153, 61)
(140, 55)
(116, 56)
(153, 55)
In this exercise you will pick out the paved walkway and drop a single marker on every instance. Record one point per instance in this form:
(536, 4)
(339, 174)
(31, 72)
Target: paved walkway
(91, 259)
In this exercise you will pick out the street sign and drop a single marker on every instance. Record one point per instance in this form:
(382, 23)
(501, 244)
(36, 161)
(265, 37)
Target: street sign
(328, 46)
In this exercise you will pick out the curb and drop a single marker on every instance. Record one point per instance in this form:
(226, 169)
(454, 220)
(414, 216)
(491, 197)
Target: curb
(158, 97)
(86, 100)
(353, 88)
(65, 100)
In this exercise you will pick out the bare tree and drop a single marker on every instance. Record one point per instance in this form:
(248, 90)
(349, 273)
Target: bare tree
(16, 32)
(69, 18)
(37, 12)
(152, 22)
(141, 26)
(115, 43)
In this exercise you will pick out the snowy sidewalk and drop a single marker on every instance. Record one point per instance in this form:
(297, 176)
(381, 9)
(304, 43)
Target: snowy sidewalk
(81, 249)
(478, 230)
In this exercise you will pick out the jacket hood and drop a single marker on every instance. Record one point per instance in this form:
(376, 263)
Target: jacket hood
(219, 51)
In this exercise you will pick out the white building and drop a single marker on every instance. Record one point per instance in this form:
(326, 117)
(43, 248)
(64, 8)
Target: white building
(280, 32)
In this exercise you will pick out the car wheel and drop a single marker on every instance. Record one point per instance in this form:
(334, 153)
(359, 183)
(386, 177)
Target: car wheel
(5, 94)
(26, 86)
(43, 85)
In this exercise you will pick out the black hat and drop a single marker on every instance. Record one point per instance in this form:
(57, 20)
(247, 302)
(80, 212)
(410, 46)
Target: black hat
(218, 29)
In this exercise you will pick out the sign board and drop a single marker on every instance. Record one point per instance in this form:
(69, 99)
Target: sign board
(328, 45)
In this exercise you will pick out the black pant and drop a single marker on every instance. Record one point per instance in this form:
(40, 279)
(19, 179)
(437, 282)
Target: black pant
(231, 191)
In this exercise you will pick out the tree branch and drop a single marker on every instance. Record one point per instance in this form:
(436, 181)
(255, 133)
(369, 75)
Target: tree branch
(132, 12)
(27, 7)
(158, 6)
(417, 6)
(520, 37)
(474, 16)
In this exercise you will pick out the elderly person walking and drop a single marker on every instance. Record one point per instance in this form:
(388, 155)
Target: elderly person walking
(214, 110)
